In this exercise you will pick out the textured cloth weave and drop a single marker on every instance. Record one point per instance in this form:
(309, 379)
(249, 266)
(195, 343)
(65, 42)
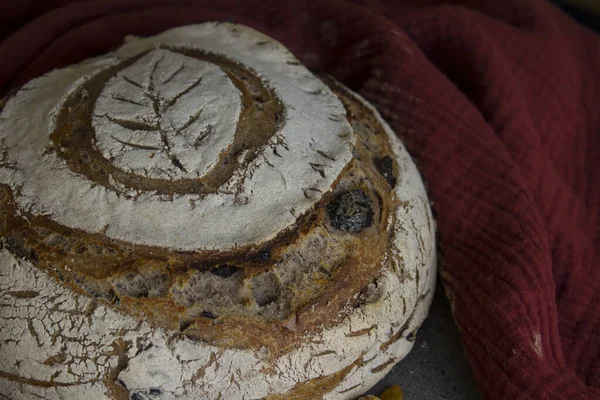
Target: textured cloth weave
(499, 103)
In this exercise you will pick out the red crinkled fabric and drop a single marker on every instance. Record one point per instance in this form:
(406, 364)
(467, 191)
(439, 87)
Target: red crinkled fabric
(499, 103)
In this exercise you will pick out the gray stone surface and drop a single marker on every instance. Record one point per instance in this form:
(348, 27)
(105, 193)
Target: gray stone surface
(436, 368)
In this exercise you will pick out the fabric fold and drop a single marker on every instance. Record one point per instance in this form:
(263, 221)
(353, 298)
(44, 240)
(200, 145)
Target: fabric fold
(498, 104)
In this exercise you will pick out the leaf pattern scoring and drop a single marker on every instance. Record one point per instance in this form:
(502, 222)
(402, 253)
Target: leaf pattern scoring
(167, 116)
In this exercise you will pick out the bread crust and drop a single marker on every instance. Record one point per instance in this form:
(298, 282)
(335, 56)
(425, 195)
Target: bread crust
(317, 298)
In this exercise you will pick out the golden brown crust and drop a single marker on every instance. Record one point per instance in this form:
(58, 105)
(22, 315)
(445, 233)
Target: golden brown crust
(94, 263)
(316, 388)
(167, 282)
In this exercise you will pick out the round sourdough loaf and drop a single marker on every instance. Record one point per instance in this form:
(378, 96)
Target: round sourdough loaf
(198, 216)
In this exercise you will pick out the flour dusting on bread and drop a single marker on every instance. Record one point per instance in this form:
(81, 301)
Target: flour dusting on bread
(198, 216)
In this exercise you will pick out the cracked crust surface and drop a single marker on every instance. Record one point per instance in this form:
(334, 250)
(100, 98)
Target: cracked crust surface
(279, 177)
(324, 287)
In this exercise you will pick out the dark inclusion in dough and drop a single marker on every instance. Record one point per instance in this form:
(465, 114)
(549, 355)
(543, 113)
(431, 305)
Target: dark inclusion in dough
(351, 211)
(224, 271)
(208, 314)
(385, 166)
